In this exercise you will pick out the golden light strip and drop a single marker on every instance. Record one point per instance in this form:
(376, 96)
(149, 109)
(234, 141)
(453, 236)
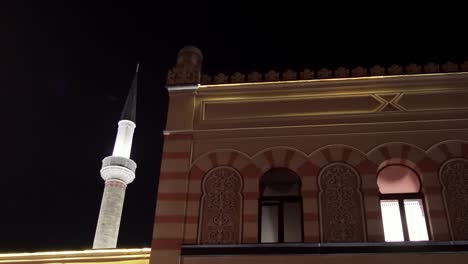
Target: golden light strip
(330, 79)
(78, 252)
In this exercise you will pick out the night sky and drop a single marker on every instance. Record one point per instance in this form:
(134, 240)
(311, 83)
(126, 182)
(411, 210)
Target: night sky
(65, 70)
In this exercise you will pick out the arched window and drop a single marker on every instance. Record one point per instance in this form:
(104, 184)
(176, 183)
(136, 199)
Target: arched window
(402, 204)
(280, 207)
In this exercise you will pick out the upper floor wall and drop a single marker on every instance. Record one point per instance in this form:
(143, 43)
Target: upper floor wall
(387, 101)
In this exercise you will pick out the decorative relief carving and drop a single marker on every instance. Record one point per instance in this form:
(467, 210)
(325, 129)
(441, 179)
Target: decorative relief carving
(413, 68)
(272, 76)
(237, 77)
(254, 77)
(205, 79)
(431, 68)
(395, 69)
(177, 76)
(220, 78)
(289, 75)
(464, 66)
(450, 67)
(359, 71)
(454, 179)
(188, 67)
(341, 213)
(221, 207)
(341, 72)
(307, 74)
(324, 73)
(377, 70)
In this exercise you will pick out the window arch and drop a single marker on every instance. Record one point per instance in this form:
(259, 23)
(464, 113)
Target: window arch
(221, 207)
(402, 204)
(280, 207)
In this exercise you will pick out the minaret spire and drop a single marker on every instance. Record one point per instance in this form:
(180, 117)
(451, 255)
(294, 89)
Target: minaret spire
(117, 171)
(129, 110)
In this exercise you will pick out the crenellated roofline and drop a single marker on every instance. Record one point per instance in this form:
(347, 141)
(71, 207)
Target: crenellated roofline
(188, 71)
(341, 72)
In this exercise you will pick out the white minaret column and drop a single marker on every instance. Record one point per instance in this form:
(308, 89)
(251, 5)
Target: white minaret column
(117, 171)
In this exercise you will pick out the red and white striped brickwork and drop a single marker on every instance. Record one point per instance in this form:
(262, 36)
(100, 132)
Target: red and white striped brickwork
(178, 206)
(172, 199)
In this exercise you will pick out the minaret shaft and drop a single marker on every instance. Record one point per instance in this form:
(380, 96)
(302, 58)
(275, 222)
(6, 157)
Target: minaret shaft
(108, 225)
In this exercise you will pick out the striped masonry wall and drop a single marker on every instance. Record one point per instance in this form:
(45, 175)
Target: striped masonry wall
(367, 169)
(178, 209)
(308, 173)
(250, 192)
(172, 199)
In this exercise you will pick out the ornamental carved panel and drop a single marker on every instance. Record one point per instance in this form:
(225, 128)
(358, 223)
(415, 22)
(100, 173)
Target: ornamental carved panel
(221, 207)
(454, 179)
(341, 209)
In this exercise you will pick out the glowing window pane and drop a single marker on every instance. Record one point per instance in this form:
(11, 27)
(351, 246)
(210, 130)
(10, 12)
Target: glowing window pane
(391, 220)
(415, 220)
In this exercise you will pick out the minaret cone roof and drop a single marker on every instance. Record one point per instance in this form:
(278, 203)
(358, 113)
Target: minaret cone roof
(129, 110)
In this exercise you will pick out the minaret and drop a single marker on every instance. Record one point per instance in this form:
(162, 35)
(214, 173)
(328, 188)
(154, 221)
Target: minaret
(117, 171)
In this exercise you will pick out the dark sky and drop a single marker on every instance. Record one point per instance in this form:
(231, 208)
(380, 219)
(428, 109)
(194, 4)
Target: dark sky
(65, 70)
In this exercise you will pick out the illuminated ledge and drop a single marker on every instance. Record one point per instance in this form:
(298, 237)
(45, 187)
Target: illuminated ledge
(325, 248)
(137, 256)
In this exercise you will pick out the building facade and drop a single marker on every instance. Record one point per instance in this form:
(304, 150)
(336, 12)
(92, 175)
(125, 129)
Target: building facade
(359, 165)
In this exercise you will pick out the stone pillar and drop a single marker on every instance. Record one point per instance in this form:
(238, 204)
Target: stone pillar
(169, 223)
(173, 190)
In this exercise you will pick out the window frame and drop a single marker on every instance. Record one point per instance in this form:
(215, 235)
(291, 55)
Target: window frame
(401, 197)
(279, 201)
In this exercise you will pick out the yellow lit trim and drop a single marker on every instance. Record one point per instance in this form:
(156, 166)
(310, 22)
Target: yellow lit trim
(329, 79)
(78, 252)
(81, 259)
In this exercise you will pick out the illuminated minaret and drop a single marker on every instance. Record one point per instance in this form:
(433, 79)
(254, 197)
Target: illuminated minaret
(117, 171)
